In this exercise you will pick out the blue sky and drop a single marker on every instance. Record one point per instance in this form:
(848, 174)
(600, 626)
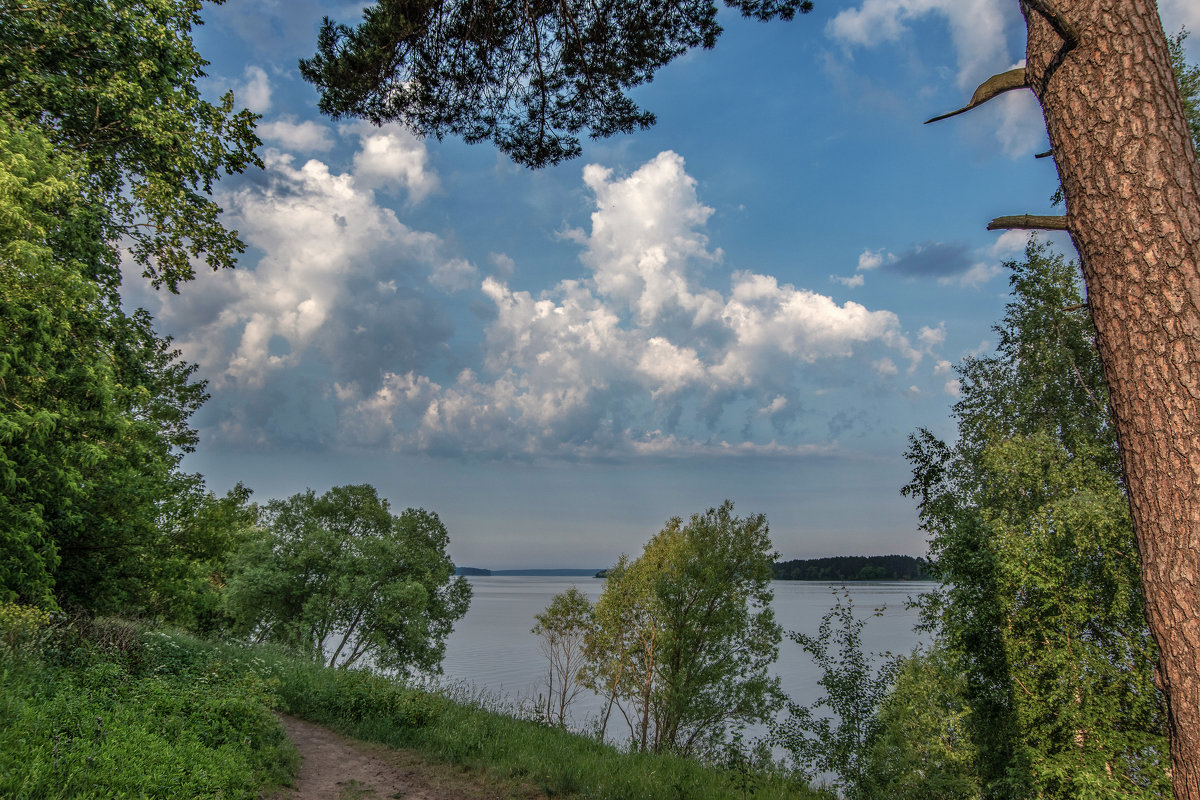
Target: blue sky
(757, 299)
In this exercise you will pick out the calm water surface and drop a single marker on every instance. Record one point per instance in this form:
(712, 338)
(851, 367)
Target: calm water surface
(492, 646)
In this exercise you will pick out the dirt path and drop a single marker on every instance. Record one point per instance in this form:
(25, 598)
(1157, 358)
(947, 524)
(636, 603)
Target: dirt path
(336, 767)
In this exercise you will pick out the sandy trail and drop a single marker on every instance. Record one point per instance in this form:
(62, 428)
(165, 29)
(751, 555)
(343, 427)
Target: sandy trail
(336, 767)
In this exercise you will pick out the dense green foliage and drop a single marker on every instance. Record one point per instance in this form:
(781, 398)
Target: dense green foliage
(93, 404)
(529, 77)
(113, 83)
(684, 634)
(921, 749)
(1030, 534)
(104, 145)
(102, 710)
(342, 578)
(852, 568)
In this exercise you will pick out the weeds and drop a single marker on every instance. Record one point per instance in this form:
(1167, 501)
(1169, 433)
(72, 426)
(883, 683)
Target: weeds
(101, 717)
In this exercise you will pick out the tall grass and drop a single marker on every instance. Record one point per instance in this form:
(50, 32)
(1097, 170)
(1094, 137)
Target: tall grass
(480, 732)
(117, 712)
(106, 711)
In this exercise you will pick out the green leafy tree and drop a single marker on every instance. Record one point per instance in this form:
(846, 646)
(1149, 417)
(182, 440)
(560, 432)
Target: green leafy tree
(922, 749)
(855, 688)
(114, 82)
(686, 633)
(33, 185)
(1031, 536)
(342, 578)
(562, 631)
(622, 650)
(93, 404)
(531, 76)
(104, 144)
(200, 535)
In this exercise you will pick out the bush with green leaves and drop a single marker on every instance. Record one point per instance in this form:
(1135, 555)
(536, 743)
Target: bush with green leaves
(922, 749)
(856, 686)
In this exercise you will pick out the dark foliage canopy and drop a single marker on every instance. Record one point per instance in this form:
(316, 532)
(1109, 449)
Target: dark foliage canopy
(530, 76)
(852, 568)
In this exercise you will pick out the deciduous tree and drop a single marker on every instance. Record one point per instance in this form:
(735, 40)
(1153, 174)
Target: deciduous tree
(562, 631)
(115, 83)
(93, 404)
(855, 689)
(342, 578)
(1031, 536)
(105, 148)
(686, 631)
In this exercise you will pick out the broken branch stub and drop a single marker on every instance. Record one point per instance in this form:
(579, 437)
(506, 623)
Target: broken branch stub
(1028, 222)
(992, 87)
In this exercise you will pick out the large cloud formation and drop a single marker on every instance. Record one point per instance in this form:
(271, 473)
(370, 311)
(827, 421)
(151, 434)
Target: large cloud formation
(638, 356)
(354, 327)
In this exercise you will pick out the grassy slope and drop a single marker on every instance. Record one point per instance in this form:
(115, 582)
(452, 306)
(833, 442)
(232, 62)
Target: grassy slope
(167, 715)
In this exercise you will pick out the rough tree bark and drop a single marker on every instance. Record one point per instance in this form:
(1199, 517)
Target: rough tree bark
(1132, 186)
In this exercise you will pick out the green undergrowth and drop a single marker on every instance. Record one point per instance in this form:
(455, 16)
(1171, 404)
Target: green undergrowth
(108, 710)
(470, 732)
(105, 710)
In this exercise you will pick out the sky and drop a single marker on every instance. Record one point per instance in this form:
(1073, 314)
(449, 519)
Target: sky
(758, 299)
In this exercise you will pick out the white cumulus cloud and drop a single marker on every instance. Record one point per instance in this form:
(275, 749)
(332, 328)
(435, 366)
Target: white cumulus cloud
(390, 157)
(254, 90)
(638, 357)
(306, 136)
(318, 230)
(977, 28)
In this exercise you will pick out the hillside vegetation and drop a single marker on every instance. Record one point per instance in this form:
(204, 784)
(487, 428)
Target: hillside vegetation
(107, 708)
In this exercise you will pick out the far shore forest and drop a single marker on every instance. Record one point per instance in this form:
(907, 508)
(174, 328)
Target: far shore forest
(836, 568)
(150, 627)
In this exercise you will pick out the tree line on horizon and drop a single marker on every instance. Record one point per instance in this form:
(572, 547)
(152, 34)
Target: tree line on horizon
(852, 568)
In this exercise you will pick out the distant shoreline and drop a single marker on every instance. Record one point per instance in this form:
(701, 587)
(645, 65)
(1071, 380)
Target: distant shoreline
(837, 568)
(563, 572)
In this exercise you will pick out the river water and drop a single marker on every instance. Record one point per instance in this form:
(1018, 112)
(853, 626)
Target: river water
(493, 650)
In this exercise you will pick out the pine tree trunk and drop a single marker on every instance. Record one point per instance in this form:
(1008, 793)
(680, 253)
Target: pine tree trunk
(1132, 187)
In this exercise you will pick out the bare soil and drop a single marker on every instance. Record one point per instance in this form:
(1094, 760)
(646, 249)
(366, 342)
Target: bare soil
(336, 767)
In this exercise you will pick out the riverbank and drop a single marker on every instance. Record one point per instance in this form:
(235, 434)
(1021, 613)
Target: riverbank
(112, 709)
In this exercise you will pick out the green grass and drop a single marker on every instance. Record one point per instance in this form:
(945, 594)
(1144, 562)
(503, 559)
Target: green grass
(107, 710)
(481, 735)
(86, 717)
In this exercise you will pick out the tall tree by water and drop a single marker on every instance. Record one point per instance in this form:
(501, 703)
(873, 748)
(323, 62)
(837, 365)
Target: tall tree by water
(685, 633)
(531, 76)
(1031, 536)
(342, 578)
